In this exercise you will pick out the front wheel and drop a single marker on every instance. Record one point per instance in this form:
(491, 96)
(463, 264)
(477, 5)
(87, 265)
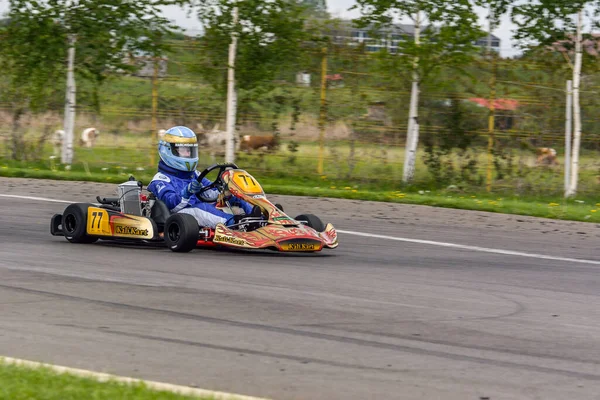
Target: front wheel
(312, 220)
(181, 232)
(74, 224)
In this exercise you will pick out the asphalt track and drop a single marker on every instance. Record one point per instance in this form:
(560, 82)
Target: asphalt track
(374, 319)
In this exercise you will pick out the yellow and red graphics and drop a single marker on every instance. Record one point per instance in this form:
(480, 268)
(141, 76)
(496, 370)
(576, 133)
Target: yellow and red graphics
(270, 236)
(329, 236)
(100, 223)
(277, 217)
(230, 238)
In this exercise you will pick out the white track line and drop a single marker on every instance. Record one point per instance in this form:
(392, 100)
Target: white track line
(14, 196)
(401, 239)
(472, 248)
(102, 377)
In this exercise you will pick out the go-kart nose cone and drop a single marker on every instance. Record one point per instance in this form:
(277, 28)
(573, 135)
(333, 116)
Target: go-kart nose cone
(246, 183)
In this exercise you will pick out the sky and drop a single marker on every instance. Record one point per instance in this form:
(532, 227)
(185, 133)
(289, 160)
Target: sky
(338, 8)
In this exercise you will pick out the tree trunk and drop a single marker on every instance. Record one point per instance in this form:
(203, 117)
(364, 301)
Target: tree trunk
(231, 94)
(568, 136)
(69, 121)
(412, 134)
(576, 110)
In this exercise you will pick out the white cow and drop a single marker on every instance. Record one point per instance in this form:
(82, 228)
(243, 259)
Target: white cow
(89, 136)
(215, 142)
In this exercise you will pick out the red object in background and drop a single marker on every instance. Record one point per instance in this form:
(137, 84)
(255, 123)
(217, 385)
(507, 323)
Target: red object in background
(334, 77)
(499, 104)
(143, 197)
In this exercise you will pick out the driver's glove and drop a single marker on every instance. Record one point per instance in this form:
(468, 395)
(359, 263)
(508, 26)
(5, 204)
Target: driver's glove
(192, 188)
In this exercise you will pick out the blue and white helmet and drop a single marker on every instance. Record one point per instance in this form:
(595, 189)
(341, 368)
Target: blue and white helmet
(178, 148)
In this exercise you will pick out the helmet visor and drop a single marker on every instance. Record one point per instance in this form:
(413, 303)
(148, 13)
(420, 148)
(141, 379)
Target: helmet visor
(184, 150)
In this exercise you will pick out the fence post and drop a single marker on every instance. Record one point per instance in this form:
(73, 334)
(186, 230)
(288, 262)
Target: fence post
(490, 149)
(323, 113)
(154, 134)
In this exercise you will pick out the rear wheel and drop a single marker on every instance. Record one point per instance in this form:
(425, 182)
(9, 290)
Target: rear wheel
(181, 232)
(74, 224)
(312, 220)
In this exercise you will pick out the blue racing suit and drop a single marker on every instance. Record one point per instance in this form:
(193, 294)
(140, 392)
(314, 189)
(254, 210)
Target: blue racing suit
(169, 185)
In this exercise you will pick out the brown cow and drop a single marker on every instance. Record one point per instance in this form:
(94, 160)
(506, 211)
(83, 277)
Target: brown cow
(267, 142)
(546, 156)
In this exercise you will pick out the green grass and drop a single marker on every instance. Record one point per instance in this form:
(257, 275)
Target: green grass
(22, 383)
(583, 208)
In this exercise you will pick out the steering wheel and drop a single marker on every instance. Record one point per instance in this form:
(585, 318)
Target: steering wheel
(217, 183)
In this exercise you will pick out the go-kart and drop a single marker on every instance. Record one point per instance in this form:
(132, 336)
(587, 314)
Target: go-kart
(134, 216)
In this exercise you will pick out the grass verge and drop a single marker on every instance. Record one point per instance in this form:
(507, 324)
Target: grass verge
(23, 383)
(556, 207)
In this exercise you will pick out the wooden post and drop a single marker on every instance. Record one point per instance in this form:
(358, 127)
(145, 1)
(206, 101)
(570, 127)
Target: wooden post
(323, 113)
(491, 117)
(154, 133)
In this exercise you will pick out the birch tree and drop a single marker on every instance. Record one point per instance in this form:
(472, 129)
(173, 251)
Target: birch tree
(101, 33)
(270, 36)
(545, 23)
(444, 35)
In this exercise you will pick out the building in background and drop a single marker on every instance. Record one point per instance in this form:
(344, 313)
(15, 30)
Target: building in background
(146, 64)
(387, 37)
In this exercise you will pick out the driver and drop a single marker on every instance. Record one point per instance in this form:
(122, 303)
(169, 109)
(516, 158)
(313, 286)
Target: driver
(175, 183)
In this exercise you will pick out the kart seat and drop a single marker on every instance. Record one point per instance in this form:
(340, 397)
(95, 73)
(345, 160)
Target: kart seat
(159, 214)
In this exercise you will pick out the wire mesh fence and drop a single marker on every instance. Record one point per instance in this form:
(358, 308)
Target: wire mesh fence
(361, 138)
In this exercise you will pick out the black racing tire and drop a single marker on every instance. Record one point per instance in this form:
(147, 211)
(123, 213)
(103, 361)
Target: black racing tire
(312, 220)
(74, 223)
(181, 232)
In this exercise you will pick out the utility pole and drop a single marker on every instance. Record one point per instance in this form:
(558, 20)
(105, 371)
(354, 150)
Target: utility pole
(412, 133)
(231, 93)
(323, 111)
(69, 118)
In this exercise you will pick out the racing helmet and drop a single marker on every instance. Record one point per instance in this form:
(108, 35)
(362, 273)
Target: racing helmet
(178, 148)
